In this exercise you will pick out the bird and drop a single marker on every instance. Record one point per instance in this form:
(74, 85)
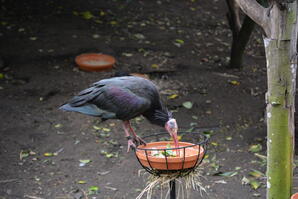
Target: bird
(125, 98)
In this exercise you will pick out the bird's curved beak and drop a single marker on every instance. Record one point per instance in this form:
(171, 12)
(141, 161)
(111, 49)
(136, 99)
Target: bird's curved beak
(172, 128)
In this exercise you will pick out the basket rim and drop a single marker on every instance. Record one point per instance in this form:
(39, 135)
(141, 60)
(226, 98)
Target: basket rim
(173, 148)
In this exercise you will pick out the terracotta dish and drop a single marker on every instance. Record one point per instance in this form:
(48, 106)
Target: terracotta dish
(95, 62)
(147, 155)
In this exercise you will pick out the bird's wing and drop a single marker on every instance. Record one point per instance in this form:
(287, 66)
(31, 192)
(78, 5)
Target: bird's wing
(86, 96)
(121, 101)
(115, 101)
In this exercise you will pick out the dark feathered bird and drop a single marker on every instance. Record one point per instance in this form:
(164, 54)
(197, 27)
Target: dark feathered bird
(124, 98)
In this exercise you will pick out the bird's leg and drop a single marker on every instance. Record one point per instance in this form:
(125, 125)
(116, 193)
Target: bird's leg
(137, 139)
(130, 143)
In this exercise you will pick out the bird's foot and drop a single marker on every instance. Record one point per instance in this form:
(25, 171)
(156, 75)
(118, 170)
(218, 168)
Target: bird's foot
(130, 145)
(139, 141)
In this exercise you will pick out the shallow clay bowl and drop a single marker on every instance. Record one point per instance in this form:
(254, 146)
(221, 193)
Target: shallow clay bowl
(193, 154)
(95, 62)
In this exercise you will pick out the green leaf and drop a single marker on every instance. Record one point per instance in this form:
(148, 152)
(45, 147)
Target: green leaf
(255, 148)
(187, 104)
(85, 161)
(87, 15)
(173, 96)
(229, 138)
(228, 174)
(245, 180)
(58, 125)
(93, 190)
(1, 76)
(254, 184)
(234, 82)
(109, 155)
(127, 54)
(113, 23)
(180, 41)
(48, 154)
(96, 127)
(194, 117)
(106, 129)
(208, 133)
(81, 182)
(24, 154)
(256, 173)
(139, 36)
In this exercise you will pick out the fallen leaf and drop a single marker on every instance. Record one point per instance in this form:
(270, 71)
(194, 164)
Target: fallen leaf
(229, 138)
(227, 174)
(96, 127)
(24, 154)
(254, 184)
(103, 173)
(154, 66)
(85, 161)
(58, 125)
(208, 134)
(187, 104)
(221, 182)
(127, 54)
(180, 41)
(214, 143)
(81, 182)
(75, 13)
(113, 23)
(93, 190)
(48, 154)
(195, 117)
(1, 76)
(95, 36)
(98, 21)
(106, 129)
(139, 36)
(234, 82)
(256, 173)
(255, 148)
(87, 15)
(102, 13)
(245, 180)
(111, 188)
(173, 96)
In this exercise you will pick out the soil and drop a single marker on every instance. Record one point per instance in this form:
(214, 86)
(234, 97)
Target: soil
(183, 46)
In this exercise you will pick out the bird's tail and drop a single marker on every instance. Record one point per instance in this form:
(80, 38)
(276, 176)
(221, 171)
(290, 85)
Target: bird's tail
(88, 109)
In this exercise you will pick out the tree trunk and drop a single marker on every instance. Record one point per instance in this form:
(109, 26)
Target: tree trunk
(281, 73)
(241, 33)
(280, 119)
(240, 41)
(279, 22)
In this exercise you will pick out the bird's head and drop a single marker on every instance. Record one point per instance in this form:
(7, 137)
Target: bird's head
(172, 128)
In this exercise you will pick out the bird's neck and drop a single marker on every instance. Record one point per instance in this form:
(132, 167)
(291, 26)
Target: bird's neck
(158, 117)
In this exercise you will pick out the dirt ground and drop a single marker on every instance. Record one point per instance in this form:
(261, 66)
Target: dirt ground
(184, 48)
